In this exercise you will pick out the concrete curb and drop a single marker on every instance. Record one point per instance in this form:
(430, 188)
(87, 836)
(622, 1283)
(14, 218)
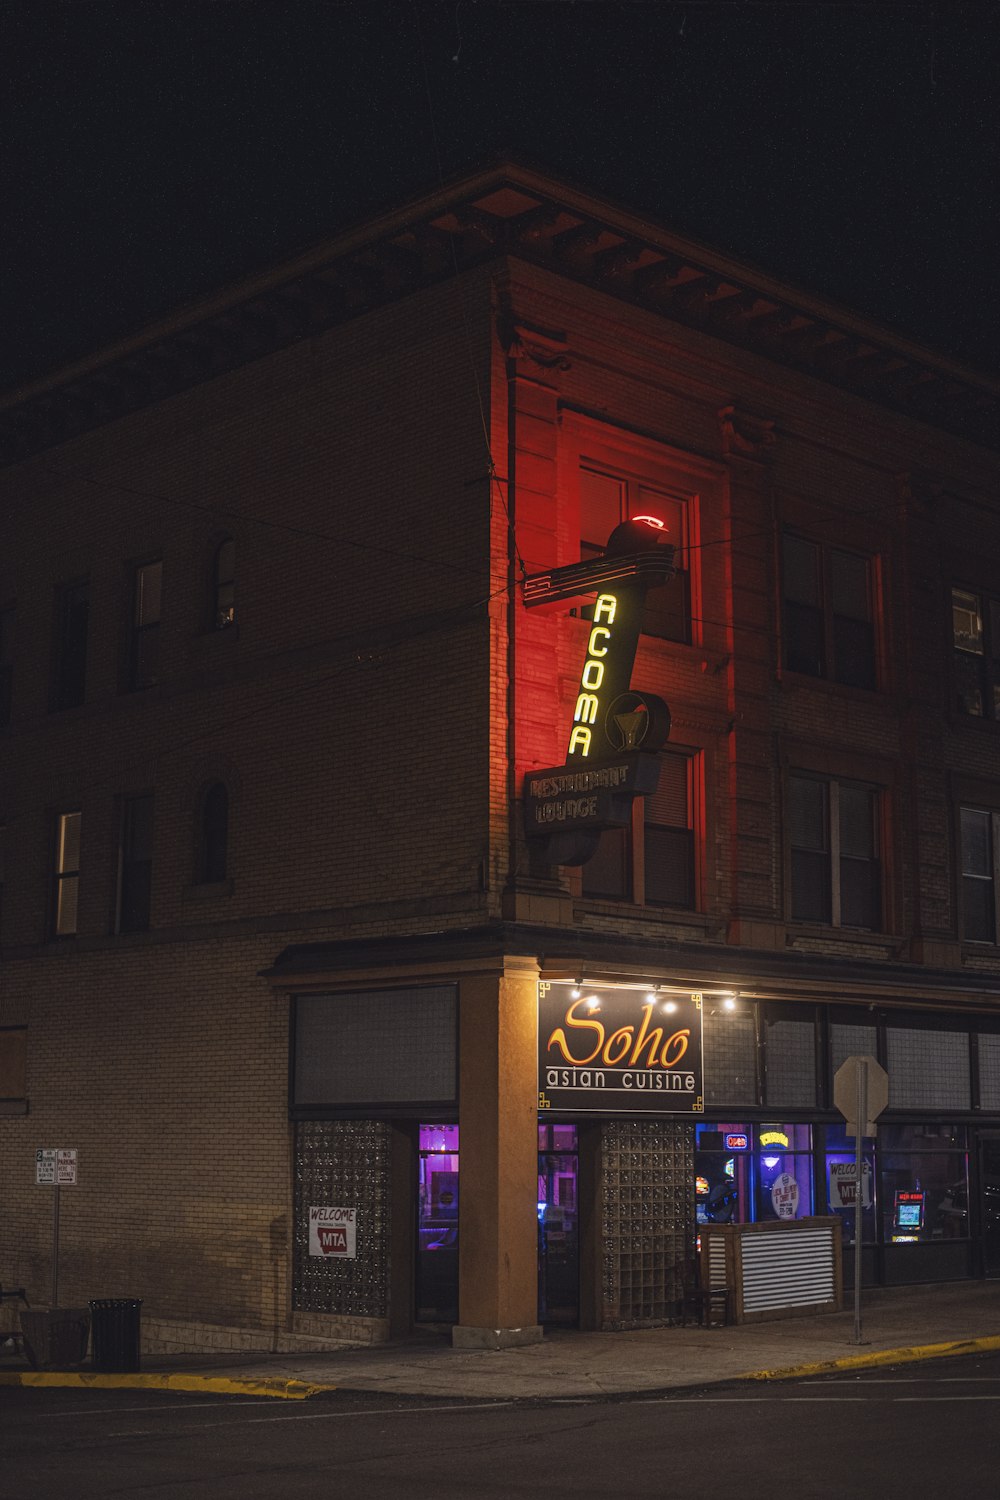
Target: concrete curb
(878, 1357)
(215, 1385)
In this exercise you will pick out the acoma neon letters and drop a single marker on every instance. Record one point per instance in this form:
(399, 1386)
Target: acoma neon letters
(592, 677)
(624, 1046)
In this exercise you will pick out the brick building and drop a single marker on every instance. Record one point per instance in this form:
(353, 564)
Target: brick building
(285, 626)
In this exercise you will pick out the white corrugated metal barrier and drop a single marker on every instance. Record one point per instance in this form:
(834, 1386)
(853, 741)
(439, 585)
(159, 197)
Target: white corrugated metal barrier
(792, 1269)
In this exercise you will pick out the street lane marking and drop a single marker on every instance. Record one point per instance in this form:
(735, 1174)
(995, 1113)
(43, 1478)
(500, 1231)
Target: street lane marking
(921, 1379)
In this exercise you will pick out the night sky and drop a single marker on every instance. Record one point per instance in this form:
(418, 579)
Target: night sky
(152, 152)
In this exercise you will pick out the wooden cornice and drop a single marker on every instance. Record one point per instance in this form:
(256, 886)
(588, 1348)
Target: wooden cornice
(507, 211)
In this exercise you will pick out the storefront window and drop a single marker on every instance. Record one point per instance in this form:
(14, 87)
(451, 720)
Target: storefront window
(784, 1171)
(841, 1183)
(747, 1173)
(437, 1225)
(925, 1183)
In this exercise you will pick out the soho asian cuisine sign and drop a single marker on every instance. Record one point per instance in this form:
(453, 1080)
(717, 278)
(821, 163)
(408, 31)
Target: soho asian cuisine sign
(609, 759)
(605, 1051)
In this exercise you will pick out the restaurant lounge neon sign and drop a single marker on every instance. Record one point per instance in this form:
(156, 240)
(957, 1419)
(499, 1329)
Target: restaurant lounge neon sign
(592, 678)
(614, 727)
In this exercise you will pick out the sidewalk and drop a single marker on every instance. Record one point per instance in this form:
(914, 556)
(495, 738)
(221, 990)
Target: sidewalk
(898, 1325)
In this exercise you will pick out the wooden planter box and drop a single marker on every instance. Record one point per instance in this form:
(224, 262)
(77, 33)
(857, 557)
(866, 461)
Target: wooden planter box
(778, 1269)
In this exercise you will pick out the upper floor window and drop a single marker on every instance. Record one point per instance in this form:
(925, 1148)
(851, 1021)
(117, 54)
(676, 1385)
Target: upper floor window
(213, 833)
(144, 660)
(835, 868)
(607, 499)
(6, 663)
(652, 861)
(135, 863)
(70, 667)
(67, 873)
(224, 585)
(828, 619)
(976, 629)
(978, 838)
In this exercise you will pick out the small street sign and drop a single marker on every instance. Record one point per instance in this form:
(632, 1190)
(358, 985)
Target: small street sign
(55, 1167)
(866, 1073)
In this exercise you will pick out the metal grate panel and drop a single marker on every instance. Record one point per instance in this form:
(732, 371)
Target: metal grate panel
(792, 1269)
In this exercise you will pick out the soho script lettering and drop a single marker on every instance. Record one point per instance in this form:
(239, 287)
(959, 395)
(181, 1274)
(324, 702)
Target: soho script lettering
(623, 1046)
(592, 678)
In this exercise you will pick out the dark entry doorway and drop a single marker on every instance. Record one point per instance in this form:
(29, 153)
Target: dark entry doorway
(989, 1201)
(558, 1226)
(436, 1299)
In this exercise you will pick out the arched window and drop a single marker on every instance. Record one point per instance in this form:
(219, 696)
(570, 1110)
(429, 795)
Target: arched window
(224, 583)
(214, 833)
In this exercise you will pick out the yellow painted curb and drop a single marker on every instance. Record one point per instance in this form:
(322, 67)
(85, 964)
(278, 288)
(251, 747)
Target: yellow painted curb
(216, 1385)
(878, 1357)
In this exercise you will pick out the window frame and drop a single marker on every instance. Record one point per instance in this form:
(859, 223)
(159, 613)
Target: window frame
(664, 601)
(635, 851)
(125, 885)
(988, 659)
(63, 872)
(8, 629)
(223, 581)
(205, 871)
(993, 815)
(69, 663)
(586, 441)
(827, 614)
(141, 630)
(834, 874)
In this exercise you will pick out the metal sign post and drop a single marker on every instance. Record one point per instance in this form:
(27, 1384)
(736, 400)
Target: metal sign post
(55, 1168)
(861, 1093)
(859, 1115)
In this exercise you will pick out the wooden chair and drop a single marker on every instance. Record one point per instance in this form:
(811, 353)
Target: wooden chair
(709, 1307)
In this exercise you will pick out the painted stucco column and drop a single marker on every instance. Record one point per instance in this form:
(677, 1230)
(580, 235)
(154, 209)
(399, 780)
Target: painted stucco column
(498, 1143)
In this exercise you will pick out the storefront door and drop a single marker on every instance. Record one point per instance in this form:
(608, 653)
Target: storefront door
(437, 1225)
(558, 1226)
(989, 1201)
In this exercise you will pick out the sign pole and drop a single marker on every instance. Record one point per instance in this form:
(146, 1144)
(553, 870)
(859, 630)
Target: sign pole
(861, 1119)
(55, 1244)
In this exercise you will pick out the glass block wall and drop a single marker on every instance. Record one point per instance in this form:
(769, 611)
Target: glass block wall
(343, 1164)
(647, 1168)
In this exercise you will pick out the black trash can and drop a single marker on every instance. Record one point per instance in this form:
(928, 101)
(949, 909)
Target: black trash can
(114, 1334)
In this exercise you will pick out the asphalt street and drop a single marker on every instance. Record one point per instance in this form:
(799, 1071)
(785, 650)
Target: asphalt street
(904, 1432)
